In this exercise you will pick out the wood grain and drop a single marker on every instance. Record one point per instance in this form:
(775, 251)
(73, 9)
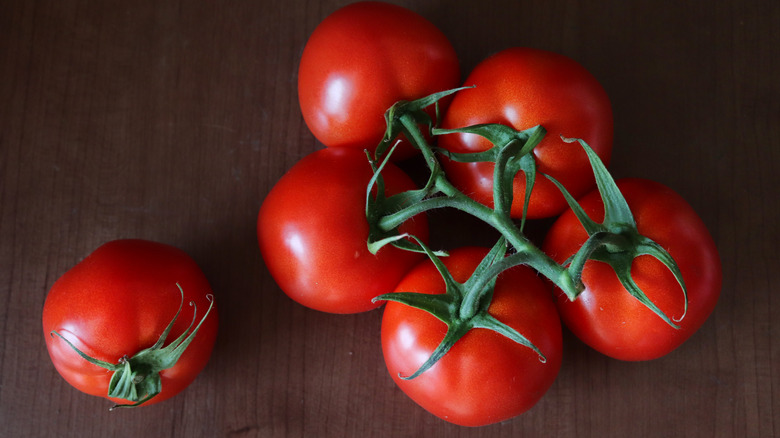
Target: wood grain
(171, 121)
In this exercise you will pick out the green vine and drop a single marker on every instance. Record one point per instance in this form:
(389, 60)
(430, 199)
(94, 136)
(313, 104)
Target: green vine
(615, 241)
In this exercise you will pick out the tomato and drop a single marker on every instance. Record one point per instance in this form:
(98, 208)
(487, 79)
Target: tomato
(312, 232)
(116, 303)
(523, 88)
(485, 377)
(362, 59)
(605, 316)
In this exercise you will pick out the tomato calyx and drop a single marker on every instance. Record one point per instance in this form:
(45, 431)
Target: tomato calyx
(464, 306)
(137, 378)
(511, 153)
(616, 241)
(378, 205)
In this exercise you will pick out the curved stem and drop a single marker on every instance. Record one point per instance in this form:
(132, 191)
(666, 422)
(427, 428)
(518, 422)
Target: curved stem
(536, 258)
(458, 201)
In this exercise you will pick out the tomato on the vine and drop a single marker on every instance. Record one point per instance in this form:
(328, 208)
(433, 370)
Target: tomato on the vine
(485, 377)
(363, 58)
(609, 319)
(523, 88)
(312, 231)
(113, 308)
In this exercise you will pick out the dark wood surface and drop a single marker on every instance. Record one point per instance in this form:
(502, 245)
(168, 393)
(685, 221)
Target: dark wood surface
(171, 121)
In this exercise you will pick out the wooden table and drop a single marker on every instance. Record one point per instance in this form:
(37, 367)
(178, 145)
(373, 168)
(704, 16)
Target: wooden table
(171, 121)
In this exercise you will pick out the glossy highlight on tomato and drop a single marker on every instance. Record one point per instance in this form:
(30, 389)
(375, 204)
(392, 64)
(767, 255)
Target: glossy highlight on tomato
(486, 377)
(362, 59)
(523, 88)
(117, 302)
(312, 231)
(605, 316)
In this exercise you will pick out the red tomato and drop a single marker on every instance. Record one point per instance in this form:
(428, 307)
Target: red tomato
(312, 231)
(117, 302)
(605, 316)
(362, 59)
(523, 88)
(485, 378)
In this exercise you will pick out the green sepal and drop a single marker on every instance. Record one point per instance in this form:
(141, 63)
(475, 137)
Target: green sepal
(505, 173)
(616, 241)
(497, 134)
(415, 108)
(463, 306)
(137, 378)
(621, 264)
(487, 321)
(617, 214)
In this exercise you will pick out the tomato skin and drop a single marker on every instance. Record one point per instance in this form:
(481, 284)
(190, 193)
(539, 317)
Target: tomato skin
(362, 59)
(485, 378)
(605, 316)
(117, 302)
(312, 232)
(523, 88)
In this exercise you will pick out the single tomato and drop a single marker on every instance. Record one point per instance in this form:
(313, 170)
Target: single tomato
(113, 307)
(523, 88)
(362, 59)
(609, 319)
(485, 377)
(312, 231)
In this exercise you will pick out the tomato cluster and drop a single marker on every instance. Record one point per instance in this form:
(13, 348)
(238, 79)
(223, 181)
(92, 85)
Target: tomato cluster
(473, 335)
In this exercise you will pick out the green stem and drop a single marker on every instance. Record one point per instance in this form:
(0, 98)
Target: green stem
(536, 258)
(481, 284)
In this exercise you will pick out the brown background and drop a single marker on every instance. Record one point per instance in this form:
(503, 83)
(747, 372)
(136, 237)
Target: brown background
(171, 121)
